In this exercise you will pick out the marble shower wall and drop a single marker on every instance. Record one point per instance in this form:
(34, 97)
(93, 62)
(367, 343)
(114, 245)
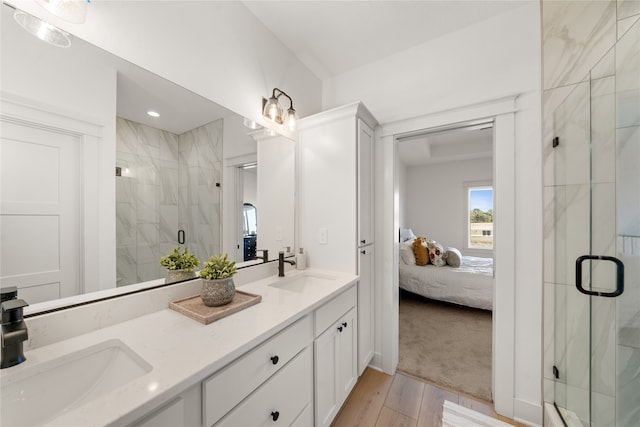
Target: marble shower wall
(200, 191)
(156, 195)
(592, 102)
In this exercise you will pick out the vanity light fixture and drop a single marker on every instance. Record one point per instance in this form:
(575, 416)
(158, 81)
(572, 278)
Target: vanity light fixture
(272, 110)
(153, 113)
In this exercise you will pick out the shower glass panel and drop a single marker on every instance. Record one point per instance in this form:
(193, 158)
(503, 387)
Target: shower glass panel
(597, 243)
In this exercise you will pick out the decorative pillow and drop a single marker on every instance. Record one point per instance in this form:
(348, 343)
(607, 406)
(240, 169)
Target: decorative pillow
(453, 257)
(436, 253)
(420, 251)
(406, 253)
(406, 234)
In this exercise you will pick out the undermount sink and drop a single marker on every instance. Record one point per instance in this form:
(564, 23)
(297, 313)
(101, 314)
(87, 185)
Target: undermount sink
(37, 394)
(302, 283)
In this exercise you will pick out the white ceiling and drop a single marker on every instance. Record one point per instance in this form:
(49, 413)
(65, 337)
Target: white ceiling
(332, 37)
(449, 146)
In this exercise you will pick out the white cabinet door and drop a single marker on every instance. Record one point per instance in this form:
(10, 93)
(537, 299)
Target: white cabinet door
(347, 354)
(326, 376)
(365, 184)
(335, 367)
(365, 308)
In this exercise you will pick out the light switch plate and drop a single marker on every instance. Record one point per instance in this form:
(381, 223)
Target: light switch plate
(322, 236)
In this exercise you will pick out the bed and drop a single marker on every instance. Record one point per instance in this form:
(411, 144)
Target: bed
(471, 284)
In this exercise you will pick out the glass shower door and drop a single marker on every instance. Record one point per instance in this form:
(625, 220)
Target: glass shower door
(597, 224)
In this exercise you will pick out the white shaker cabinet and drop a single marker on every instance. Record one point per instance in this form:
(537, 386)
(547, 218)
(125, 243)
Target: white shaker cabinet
(336, 204)
(365, 183)
(335, 356)
(365, 308)
(365, 245)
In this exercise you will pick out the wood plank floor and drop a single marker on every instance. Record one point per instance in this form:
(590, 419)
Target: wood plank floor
(381, 400)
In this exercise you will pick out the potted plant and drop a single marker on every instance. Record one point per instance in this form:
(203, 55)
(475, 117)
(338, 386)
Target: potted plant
(217, 280)
(180, 265)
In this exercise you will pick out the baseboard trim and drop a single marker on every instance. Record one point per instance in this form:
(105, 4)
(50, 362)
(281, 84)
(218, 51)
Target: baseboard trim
(527, 412)
(376, 363)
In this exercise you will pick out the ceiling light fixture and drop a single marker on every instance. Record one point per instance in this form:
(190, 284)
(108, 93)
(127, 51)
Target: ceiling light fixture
(272, 110)
(153, 113)
(74, 11)
(42, 30)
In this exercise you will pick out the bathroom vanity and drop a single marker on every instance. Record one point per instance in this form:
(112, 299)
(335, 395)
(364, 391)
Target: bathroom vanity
(289, 359)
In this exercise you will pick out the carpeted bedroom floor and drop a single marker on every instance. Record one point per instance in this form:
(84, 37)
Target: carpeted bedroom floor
(445, 344)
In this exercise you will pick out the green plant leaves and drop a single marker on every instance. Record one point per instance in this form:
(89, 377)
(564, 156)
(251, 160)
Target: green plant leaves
(218, 267)
(177, 260)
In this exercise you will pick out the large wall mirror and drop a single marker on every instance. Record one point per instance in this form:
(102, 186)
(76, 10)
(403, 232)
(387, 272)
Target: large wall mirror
(94, 191)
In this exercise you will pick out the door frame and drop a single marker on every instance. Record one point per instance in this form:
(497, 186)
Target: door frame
(94, 250)
(502, 112)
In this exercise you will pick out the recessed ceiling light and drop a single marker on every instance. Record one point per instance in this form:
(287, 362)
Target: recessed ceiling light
(153, 113)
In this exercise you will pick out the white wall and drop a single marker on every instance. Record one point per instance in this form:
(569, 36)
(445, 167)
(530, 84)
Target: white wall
(434, 198)
(486, 61)
(276, 185)
(402, 195)
(327, 190)
(217, 49)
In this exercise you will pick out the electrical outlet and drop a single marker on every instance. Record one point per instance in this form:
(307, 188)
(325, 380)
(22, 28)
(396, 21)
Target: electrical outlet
(278, 233)
(322, 236)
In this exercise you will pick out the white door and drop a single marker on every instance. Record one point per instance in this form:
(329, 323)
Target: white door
(40, 212)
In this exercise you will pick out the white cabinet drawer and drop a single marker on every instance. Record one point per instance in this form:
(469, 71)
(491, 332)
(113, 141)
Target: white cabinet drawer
(326, 315)
(305, 419)
(281, 400)
(225, 389)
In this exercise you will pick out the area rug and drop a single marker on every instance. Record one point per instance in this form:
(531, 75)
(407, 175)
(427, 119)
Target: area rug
(445, 344)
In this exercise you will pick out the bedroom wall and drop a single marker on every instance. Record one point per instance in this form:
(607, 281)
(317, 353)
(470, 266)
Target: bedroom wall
(434, 199)
(402, 196)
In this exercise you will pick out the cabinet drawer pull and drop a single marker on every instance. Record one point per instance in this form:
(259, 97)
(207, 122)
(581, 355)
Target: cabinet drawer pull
(363, 241)
(274, 360)
(340, 328)
(275, 415)
(344, 324)
(363, 252)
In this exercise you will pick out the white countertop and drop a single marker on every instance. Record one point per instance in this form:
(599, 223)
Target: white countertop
(182, 351)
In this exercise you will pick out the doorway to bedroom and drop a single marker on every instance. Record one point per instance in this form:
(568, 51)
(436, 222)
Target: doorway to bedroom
(446, 219)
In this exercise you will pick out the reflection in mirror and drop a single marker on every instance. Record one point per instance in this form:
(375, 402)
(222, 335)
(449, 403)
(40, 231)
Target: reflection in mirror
(95, 191)
(249, 231)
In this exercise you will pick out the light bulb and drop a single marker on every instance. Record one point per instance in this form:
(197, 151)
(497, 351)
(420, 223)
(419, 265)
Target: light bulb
(291, 119)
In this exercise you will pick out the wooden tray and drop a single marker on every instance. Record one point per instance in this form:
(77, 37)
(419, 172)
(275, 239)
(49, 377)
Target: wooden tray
(194, 308)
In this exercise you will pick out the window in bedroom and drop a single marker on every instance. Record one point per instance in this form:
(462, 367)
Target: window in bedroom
(479, 216)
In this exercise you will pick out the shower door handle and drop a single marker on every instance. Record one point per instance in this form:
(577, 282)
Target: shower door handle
(619, 275)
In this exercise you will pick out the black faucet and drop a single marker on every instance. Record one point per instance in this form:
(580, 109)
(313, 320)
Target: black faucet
(14, 330)
(281, 262)
(265, 255)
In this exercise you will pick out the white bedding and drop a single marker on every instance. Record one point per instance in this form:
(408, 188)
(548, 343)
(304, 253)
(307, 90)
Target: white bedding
(471, 284)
